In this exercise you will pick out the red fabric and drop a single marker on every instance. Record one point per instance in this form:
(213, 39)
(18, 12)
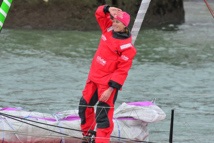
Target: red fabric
(125, 19)
(113, 58)
(210, 9)
(88, 92)
(111, 62)
(103, 19)
(103, 135)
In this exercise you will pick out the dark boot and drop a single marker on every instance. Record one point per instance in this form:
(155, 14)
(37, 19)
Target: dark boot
(88, 139)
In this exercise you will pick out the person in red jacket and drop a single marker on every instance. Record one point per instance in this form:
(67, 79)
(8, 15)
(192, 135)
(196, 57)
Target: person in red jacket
(108, 72)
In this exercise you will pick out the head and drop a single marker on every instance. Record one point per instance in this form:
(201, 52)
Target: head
(120, 23)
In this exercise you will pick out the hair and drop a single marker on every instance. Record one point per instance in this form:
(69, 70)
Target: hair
(126, 30)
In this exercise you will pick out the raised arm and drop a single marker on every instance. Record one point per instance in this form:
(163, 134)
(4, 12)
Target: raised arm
(103, 15)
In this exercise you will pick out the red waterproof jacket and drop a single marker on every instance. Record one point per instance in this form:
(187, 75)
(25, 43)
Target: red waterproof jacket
(113, 58)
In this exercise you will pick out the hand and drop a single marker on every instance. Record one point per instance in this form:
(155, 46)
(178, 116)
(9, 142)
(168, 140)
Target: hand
(115, 12)
(106, 94)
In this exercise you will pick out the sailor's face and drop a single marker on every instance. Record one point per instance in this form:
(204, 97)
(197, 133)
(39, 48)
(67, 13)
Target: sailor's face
(118, 26)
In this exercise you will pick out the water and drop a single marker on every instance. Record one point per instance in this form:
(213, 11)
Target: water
(46, 71)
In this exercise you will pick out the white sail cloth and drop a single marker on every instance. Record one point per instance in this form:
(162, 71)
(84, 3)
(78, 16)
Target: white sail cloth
(130, 121)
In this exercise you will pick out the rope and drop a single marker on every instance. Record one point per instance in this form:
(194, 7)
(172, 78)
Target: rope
(186, 139)
(34, 102)
(210, 9)
(150, 93)
(20, 120)
(118, 126)
(194, 123)
(39, 136)
(14, 118)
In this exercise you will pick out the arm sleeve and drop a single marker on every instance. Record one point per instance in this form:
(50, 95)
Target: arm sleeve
(125, 63)
(103, 17)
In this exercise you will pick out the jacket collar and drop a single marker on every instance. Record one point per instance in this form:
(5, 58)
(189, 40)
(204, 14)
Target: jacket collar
(121, 35)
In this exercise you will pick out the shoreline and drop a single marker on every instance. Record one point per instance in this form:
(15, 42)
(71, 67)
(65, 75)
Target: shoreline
(76, 15)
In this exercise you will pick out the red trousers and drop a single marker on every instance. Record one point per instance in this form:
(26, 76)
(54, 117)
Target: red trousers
(104, 112)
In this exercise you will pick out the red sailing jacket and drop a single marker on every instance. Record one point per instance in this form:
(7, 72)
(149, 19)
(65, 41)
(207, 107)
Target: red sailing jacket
(113, 58)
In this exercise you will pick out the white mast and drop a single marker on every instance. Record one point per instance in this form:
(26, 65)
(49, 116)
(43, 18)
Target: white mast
(139, 19)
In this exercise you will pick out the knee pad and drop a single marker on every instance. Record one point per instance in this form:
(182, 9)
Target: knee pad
(102, 118)
(82, 108)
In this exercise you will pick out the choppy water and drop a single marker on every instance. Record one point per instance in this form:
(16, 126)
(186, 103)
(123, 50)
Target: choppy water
(46, 71)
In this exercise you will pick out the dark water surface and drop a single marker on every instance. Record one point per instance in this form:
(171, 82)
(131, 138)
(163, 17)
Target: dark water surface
(45, 71)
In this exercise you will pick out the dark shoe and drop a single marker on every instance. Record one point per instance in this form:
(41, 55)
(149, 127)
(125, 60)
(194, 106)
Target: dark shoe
(88, 139)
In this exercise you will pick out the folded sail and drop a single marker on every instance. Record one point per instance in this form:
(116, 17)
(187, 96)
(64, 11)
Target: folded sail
(130, 122)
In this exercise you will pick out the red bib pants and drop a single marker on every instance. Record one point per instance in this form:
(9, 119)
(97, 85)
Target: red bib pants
(104, 112)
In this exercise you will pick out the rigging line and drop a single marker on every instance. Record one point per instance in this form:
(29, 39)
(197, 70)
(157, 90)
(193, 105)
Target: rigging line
(194, 123)
(189, 127)
(156, 129)
(38, 126)
(203, 139)
(42, 137)
(18, 127)
(33, 135)
(184, 112)
(187, 139)
(210, 9)
(44, 114)
(95, 119)
(19, 118)
(33, 102)
(93, 106)
(125, 139)
(116, 136)
(121, 138)
(58, 91)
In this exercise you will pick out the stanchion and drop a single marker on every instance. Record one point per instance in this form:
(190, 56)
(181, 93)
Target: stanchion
(171, 127)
